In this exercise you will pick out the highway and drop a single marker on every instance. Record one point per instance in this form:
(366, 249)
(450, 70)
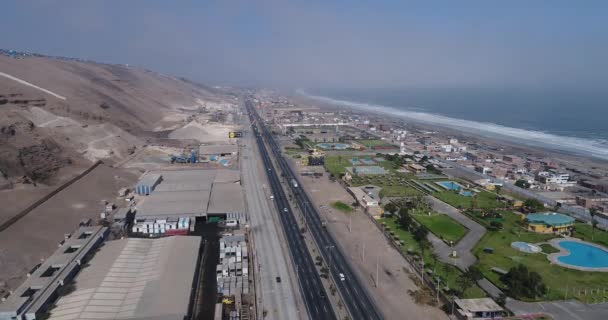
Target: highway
(356, 298)
(310, 284)
(277, 300)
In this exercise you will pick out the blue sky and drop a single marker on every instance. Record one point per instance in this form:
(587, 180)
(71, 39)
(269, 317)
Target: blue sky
(328, 43)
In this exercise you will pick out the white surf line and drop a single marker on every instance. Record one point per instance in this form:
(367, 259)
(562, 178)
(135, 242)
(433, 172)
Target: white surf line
(32, 85)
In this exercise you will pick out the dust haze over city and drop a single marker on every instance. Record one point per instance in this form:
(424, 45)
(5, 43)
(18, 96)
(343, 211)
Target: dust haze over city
(303, 160)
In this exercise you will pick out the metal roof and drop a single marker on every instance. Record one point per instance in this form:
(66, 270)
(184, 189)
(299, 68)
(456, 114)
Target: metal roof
(182, 204)
(550, 218)
(478, 305)
(218, 149)
(134, 279)
(64, 262)
(226, 197)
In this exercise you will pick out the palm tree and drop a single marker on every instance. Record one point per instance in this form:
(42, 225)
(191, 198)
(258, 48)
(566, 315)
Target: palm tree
(434, 258)
(474, 202)
(592, 213)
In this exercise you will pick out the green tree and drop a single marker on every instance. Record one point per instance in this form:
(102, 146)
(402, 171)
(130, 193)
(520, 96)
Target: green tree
(498, 189)
(534, 204)
(593, 213)
(474, 202)
(522, 184)
(390, 207)
(464, 283)
(474, 273)
(420, 233)
(523, 283)
(405, 220)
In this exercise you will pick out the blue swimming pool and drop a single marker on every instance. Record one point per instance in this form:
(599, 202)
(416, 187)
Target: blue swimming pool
(335, 146)
(450, 185)
(467, 193)
(584, 255)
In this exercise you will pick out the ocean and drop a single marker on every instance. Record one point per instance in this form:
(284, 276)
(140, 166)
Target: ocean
(574, 121)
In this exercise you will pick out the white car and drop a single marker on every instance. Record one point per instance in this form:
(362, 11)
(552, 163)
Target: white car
(271, 197)
(284, 209)
(342, 278)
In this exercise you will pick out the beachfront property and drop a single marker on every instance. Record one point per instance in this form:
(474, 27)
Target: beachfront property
(548, 222)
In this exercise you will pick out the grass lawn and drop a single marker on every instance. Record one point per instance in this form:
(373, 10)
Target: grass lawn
(585, 232)
(341, 206)
(485, 200)
(556, 278)
(336, 164)
(372, 142)
(548, 249)
(448, 273)
(443, 226)
(393, 185)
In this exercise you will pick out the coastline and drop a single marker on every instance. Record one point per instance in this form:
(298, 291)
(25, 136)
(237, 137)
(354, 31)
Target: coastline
(504, 143)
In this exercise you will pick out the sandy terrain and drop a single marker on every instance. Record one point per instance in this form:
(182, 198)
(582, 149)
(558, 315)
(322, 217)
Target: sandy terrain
(35, 236)
(391, 295)
(204, 133)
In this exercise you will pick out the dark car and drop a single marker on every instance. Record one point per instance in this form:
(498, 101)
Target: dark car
(279, 279)
(322, 294)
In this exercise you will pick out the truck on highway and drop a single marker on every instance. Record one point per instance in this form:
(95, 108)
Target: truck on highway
(294, 183)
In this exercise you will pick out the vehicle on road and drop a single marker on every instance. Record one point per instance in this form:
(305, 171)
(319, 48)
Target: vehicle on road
(278, 279)
(342, 278)
(322, 294)
(294, 182)
(284, 209)
(271, 197)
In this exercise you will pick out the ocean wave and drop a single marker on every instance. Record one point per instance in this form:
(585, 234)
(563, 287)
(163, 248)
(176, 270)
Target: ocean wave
(593, 147)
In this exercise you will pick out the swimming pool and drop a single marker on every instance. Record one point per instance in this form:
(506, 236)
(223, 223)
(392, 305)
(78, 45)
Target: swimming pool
(335, 146)
(583, 255)
(467, 193)
(526, 247)
(225, 162)
(450, 185)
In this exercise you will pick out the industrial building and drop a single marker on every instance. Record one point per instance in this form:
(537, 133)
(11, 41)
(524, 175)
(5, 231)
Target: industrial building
(135, 279)
(51, 278)
(218, 150)
(185, 195)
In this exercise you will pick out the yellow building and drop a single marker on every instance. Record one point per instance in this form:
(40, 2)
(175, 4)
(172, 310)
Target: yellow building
(549, 222)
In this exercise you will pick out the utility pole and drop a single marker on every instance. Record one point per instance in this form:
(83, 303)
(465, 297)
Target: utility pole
(363, 254)
(377, 268)
(350, 222)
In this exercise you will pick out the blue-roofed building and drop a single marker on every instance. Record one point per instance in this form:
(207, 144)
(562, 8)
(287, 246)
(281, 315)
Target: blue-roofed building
(549, 222)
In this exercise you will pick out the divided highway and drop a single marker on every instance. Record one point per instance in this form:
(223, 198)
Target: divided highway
(355, 296)
(317, 305)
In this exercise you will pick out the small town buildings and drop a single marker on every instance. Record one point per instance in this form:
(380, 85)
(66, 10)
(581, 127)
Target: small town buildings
(416, 168)
(481, 308)
(549, 222)
(365, 196)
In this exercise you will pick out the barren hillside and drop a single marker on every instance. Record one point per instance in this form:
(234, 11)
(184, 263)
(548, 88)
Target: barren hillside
(56, 113)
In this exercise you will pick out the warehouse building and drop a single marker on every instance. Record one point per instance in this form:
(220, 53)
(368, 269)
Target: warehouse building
(187, 195)
(135, 279)
(44, 284)
(226, 198)
(218, 150)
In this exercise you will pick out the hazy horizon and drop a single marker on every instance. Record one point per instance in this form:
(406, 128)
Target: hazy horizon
(339, 44)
